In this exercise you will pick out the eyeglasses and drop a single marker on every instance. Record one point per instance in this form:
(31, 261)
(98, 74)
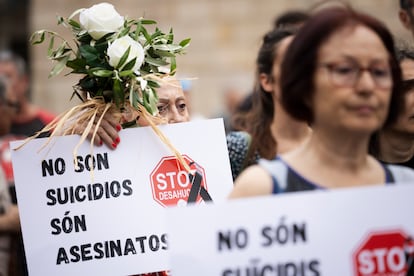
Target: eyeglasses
(346, 74)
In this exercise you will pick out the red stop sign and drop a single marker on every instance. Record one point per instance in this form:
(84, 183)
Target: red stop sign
(170, 182)
(382, 254)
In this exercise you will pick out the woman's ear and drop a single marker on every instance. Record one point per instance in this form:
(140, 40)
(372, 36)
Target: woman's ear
(266, 82)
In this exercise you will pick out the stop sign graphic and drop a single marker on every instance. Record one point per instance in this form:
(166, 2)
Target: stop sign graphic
(382, 254)
(171, 183)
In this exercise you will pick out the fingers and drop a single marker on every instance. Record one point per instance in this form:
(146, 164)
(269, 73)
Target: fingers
(106, 133)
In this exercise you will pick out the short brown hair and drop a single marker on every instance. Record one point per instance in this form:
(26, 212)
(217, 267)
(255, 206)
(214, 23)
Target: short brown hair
(299, 64)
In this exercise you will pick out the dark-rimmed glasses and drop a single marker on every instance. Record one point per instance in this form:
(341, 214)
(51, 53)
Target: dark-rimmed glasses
(346, 74)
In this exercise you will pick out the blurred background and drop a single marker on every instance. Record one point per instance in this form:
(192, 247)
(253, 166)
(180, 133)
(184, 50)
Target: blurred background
(220, 60)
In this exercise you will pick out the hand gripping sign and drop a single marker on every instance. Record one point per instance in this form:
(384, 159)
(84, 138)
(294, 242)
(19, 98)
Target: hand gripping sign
(384, 253)
(172, 185)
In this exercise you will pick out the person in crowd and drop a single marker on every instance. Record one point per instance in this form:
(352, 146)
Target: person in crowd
(290, 19)
(9, 215)
(172, 104)
(30, 118)
(241, 112)
(406, 15)
(232, 98)
(267, 129)
(172, 107)
(346, 87)
(395, 142)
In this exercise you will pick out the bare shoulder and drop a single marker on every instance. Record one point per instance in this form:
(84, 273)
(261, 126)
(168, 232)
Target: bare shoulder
(253, 181)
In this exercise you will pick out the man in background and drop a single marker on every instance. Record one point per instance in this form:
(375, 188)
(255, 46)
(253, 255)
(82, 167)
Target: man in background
(29, 118)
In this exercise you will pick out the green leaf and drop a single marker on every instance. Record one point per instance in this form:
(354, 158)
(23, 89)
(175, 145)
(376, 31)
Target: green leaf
(167, 47)
(76, 64)
(185, 42)
(88, 52)
(74, 24)
(37, 37)
(84, 37)
(137, 30)
(118, 93)
(153, 84)
(123, 58)
(124, 32)
(156, 34)
(134, 99)
(102, 73)
(147, 21)
(173, 65)
(153, 68)
(152, 98)
(79, 71)
(51, 45)
(126, 73)
(130, 64)
(88, 84)
(163, 53)
(59, 66)
(170, 36)
(150, 101)
(59, 52)
(146, 35)
(156, 62)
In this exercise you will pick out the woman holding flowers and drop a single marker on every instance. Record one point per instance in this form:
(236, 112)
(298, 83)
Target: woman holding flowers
(122, 66)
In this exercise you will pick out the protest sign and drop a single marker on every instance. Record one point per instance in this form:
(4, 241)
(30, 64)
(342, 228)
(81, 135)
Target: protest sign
(358, 231)
(104, 216)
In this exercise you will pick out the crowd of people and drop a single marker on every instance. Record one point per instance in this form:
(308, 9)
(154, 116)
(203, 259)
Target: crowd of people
(332, 107)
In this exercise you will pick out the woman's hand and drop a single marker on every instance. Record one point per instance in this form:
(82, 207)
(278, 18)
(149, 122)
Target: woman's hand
(107, 132)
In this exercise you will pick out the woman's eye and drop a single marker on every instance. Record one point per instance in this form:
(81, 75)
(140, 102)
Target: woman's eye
(379, 72)
(182, 106)
(344, 69)
(162, 109)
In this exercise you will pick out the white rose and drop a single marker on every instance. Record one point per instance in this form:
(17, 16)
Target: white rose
(118, 48)
(100, 20)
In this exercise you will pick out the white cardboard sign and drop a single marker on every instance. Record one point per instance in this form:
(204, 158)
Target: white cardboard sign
(111, 223)
(360, 231)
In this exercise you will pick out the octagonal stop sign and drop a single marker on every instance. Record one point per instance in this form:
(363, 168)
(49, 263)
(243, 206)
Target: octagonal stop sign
(383, 254)
(170, 182)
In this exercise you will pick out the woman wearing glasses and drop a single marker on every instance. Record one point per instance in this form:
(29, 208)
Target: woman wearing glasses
(339, 75)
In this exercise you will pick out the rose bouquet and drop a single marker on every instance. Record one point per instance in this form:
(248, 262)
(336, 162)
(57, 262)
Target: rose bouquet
(120, 62)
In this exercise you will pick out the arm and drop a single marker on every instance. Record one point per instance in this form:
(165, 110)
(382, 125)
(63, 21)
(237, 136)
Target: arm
(253, 181)
(10, 220)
